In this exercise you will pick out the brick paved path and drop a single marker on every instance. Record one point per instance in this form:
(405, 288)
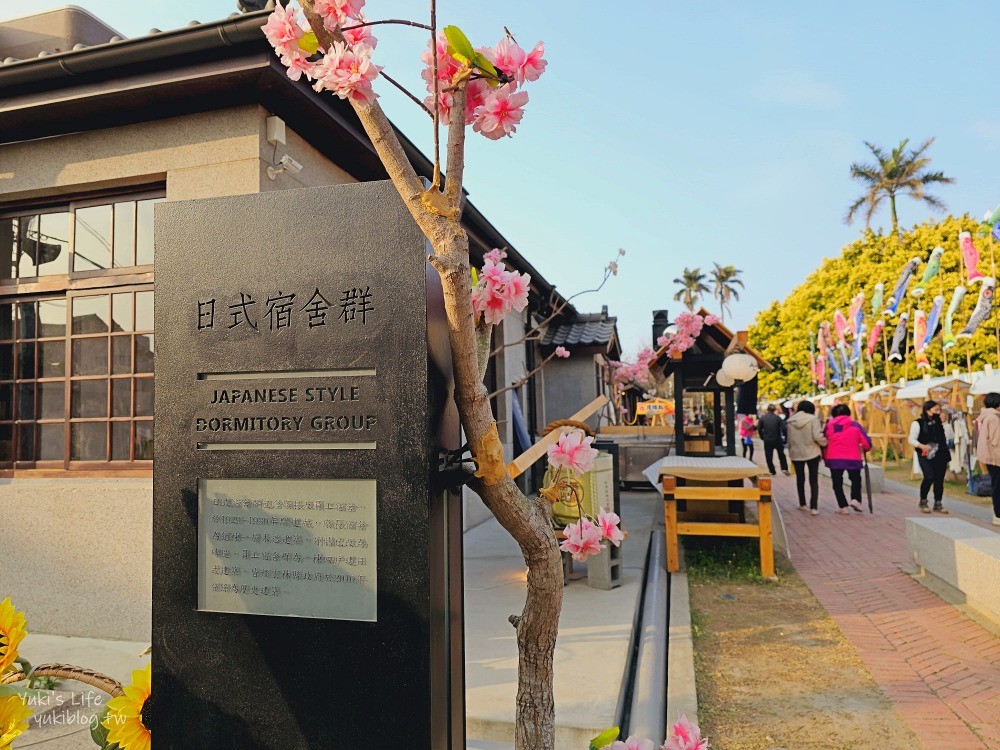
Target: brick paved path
(941, 669)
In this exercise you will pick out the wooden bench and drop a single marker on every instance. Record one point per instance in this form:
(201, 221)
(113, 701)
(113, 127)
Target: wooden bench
(760, 493)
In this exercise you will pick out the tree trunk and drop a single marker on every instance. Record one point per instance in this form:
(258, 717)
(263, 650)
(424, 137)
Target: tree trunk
(438, 214)
(892, 209)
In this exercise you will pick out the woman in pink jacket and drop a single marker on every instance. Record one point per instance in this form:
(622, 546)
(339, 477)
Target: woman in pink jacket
(847, 442)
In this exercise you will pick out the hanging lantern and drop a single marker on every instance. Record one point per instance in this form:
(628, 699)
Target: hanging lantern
(724, 379)
(741, 367)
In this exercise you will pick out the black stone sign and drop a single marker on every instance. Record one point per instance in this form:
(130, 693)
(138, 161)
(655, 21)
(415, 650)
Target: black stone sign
(307, 584)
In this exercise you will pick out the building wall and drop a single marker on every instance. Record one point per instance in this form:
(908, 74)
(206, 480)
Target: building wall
(75, 553)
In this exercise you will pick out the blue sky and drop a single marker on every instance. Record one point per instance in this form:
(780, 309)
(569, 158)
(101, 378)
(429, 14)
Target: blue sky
(689, 133)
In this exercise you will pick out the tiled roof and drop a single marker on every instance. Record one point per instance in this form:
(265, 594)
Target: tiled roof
(583, 330)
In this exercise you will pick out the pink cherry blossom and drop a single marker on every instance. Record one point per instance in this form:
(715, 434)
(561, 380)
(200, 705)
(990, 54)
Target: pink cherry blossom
(337, 12)
(711, 320)
(496, 255)
(583, 539)
(573, 452)
(296, 65)
(686, 736)
(499, 291)
(609, 526)
(632, 743)
(283, 30)
(348, 72)
(500, 114)
(507, 57)
(533, 66)
(360, 34)
(562, 351)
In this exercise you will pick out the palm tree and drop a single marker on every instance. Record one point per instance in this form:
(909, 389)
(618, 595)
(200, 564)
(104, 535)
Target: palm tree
(901, 172)
(726, 279)
(692, 285)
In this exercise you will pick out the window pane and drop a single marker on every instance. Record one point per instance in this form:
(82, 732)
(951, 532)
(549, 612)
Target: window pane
(121, 397)
(121, 354)
(53, 244)
(92, 244)
(51, 318)
(26, 360)
(144, 441)
(89, 441)
(144, 353)
(52, 359)
(144, 397)
(90, 314)
(121, 435)
(121, 312)
(7, 401)
(26, 442)
(7, 322)
(26, 320)
(144, 311)
(90, 356)
(52, 442)
(144, 232)
(6, 442)
(52, 400)
(8, 247)
(6, 361)
(28, 226)
(124, 234)
(25, 400)
(89, 398)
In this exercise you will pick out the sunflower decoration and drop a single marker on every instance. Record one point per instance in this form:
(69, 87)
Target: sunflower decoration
(14, 715)
(124, 720)
(12, 632)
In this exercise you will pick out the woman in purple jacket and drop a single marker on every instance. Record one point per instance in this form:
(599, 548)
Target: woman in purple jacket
(847, 442)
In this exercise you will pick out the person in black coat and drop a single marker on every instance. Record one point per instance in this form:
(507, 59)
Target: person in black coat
(772, 433)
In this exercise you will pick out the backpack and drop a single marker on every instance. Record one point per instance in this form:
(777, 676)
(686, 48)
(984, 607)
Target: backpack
(982, 485)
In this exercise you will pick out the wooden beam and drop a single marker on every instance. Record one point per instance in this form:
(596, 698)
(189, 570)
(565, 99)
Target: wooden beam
(717, 493)
(718, 529)
(520, 464)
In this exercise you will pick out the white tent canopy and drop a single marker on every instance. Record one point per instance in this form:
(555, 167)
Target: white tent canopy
(986, 384)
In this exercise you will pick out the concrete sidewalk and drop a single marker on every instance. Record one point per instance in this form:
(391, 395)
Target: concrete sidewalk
(594, 633)
(940, 668)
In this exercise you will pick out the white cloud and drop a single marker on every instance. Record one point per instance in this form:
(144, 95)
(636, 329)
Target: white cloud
(797, 89)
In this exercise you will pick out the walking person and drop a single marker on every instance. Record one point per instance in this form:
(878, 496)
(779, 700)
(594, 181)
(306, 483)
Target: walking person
(847, 443)
(748, 426)
(928, 438)
(805, 448)
(988, 446)
(772, 433)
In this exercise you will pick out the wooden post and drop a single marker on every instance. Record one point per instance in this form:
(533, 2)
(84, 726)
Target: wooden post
(678, 408)
(670, 523)
(766, 534)
(717, 417)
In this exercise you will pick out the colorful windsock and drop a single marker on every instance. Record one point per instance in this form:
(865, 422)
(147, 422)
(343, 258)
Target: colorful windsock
(919, 334)
(877, 299)
(970, 256)
(898, 339)
(992, 217)
(874, 336)
(934, 318)
(840, 328)
(845, 363)
(859, 338)
(984, 306)
(813, 374)
(956, 299)
(933, 267)
(821, 372)
(892, 304)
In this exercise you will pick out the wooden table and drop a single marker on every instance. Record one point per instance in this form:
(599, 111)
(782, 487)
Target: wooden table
(714, 475)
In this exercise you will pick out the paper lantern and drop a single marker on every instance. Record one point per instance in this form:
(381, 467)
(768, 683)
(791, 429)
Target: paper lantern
(724, 379)
(741, 367)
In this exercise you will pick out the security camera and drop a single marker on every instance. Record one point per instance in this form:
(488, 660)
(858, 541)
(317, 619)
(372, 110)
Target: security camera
(285, 164)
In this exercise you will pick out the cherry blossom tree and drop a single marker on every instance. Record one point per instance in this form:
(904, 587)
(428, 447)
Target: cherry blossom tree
(330, 42)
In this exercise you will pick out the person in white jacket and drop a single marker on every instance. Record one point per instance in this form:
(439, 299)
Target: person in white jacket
(805, 443)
